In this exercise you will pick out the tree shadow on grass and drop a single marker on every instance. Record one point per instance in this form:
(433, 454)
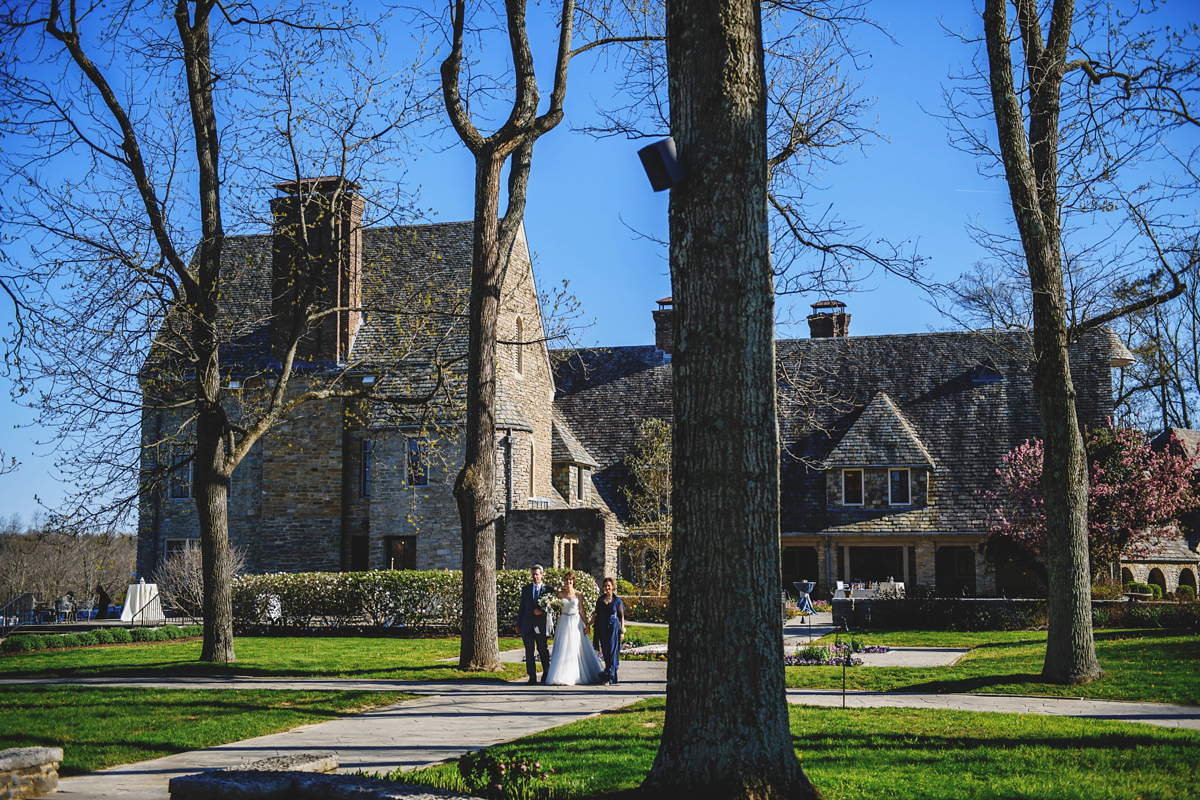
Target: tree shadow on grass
(973, 684)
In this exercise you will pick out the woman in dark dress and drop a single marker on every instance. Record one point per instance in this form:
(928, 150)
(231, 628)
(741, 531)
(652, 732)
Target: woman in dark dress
(609, 629)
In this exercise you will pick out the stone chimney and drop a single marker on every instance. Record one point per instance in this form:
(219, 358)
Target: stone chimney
(829, 320)
(664, 325)
(316, 264)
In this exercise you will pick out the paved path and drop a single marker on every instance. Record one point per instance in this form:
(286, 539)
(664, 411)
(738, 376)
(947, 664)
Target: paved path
(454, 717)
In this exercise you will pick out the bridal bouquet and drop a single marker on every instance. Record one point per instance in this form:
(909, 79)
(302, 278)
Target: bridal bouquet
(553, 606)
(550, 603)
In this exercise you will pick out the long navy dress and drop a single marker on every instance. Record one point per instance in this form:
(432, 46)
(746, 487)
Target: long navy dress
(607, 635)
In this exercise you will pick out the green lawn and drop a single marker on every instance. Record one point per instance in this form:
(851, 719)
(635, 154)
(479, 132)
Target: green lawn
(102, 727)
(1151, 665)
(893, 753)
(263, 657)
(647, 634)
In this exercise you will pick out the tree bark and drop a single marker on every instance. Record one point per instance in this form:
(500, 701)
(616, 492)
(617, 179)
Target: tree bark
(479, 648)
(726, 733)
(1031, 168)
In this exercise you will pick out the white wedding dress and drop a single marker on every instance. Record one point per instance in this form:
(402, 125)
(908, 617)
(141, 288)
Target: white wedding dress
(573, 662)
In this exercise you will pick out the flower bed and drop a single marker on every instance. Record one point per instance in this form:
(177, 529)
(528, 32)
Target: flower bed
(830, 655)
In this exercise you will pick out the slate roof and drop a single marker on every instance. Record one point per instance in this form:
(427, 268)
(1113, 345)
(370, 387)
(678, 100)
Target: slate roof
(1189, 439)
(880, 437)
(604, 394)
(564, 447)
(415, 282)
(935, 409)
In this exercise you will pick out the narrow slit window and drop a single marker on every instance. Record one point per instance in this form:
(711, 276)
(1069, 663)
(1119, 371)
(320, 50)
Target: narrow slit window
(520, 347)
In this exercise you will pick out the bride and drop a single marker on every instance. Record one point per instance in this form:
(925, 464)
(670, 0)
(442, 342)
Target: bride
(573, 661)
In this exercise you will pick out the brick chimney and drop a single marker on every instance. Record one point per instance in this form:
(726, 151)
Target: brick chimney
(317, 262)
(829, 320)
(664, 325)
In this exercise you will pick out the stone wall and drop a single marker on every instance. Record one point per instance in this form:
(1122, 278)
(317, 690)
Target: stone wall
(29, 771)
(530, 539)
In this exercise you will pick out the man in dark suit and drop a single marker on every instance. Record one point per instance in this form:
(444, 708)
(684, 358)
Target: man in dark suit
(532, 625)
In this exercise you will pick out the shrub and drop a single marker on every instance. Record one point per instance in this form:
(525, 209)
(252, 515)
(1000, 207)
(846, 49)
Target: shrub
(647, 608)
(192, 630)
(54, 641)
(499, 780)
(70, 640)
(103, 636)
(23, 643)
(143, 634)
(170, 632)
(625, 588)
(1186, 593)
(87, 639)
(1143, 588)
(121, 636)
(1100, 617)
(416, 599)
(1107, 589)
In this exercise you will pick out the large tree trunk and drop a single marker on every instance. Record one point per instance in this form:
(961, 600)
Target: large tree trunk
(474, 490)
(726, 733)
(1031, 167)
(212, 505)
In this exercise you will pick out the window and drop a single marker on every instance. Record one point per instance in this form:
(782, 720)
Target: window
(520, 343)
(364, 482)
(418, 461)
(532, 464)
(852, 487)
(580, 472)
(400, 552)
(568, 552)
(181, 471)
(899, 487)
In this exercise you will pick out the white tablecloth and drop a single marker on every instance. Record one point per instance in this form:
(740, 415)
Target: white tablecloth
(142, 604)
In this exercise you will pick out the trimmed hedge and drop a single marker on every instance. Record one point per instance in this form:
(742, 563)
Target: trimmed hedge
(28, 642)
(1145, 588)
(999, 614)
(421, 600)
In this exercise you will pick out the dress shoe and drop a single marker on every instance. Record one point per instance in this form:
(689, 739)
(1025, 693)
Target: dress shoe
(532, 681)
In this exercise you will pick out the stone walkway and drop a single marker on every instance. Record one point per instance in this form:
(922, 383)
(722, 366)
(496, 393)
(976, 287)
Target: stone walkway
(454, 717)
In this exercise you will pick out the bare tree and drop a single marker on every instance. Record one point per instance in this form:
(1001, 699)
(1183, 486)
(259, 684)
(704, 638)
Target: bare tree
(815, 115)
(726, 732)
(1051, 165)
(130, 125)
(511, 144)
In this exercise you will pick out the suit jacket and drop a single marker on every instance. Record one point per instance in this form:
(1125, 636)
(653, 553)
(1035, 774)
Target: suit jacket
(526, 619)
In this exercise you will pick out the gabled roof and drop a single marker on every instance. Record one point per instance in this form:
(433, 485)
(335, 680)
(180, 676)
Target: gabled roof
(880, 437)
(565, 448)
(942, 416)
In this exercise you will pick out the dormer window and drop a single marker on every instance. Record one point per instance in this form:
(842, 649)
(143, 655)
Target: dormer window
(852, 487)
(899, 487)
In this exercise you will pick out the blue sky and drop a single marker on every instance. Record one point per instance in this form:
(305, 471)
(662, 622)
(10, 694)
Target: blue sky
(585, 195)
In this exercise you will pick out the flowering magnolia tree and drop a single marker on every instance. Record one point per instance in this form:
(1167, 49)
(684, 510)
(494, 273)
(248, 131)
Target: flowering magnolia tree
(1135, 497)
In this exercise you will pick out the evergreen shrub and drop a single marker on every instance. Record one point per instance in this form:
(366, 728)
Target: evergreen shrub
(419, 600)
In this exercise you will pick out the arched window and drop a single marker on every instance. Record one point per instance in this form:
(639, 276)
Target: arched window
(521, 351)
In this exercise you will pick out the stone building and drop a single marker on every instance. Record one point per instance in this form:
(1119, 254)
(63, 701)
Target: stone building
(889, 443)
(1174, 562)
(343, 485)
